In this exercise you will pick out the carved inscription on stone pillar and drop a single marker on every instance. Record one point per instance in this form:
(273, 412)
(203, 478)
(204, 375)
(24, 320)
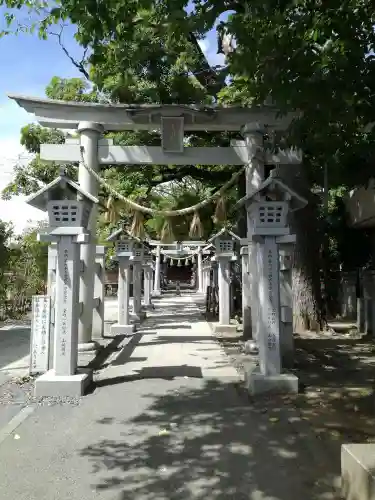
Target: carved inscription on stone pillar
(65, 306)
(272, 314)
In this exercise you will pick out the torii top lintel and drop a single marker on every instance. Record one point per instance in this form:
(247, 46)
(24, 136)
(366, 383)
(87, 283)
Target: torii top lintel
(116, 117)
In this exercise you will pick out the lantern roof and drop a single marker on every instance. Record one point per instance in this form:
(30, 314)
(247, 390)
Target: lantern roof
(116, 236)
(61, 188)
(224, 232)
(274, 189)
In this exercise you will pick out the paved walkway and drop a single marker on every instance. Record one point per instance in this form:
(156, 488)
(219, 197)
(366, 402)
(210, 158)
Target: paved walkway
(166, 421)
(175, 341)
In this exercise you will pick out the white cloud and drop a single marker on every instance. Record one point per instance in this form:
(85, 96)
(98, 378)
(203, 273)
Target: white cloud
(209, 49)
(14, 210)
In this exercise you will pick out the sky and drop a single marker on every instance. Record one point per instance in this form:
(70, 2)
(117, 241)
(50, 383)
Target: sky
(28, 65)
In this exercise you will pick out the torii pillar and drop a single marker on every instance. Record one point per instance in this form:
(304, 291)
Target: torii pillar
(90, 134)
(253, 134)
(157, 290)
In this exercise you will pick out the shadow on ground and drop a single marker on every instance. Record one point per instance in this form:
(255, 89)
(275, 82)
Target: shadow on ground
(337, 377)
(207, 442)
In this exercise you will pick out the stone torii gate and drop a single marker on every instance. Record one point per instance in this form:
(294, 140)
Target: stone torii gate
(182, 249)
(91, 121)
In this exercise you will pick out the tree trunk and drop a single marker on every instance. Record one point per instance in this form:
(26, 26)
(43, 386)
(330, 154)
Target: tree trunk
(308, 313)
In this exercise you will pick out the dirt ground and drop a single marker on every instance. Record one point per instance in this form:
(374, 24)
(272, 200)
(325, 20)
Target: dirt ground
(336, 374)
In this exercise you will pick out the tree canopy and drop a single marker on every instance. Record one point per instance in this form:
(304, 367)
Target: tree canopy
(299, 55)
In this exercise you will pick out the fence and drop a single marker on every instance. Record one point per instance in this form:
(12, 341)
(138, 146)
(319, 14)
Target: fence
(348, 295)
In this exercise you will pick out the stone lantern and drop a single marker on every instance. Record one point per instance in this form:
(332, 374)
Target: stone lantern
(224, 243)
(271, 248)
(124, 245)
(69, 208)
(147, 283)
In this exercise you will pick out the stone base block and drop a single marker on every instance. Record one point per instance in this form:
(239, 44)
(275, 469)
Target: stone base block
(156, 293)
(225, 329)
(91, 346)
(118, 329)
(148, 307)
(72, 386)
(137, 318)
(358, 471)
(257, 383)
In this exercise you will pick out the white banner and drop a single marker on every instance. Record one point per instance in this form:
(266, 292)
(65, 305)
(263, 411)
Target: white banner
(40, 333)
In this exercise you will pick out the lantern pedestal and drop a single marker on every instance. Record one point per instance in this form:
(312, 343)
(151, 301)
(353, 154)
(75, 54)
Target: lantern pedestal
(123, 325)
(99, 278)
(138, 318)
(157, 290)
(74, 386)
(147, 284)
(246, 293)
(64, 379)
(228, 330)
(259, 383)
(269, 377)
(138, 315)
(118, 329)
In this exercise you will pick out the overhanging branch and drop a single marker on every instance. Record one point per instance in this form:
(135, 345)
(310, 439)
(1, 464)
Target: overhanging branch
(80, 65)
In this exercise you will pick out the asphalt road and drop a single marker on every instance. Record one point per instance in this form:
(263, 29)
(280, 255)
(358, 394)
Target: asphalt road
(14, 351)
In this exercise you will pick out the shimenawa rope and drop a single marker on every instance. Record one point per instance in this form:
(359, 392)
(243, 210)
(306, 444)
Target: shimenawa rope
(164, 213)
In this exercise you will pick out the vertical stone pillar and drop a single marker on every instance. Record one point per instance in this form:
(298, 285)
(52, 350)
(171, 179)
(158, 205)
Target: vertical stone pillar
(286, 306)
(99, 289)
(269, 313)
(137, 289)
(224, 290)
(152, 278)
(123, 325)
(157, 289)
(200, 270)
(206, 275)
(147, 271)
(348, 295)
(51, 278)
(51, 291)
(66, 307)
(253, 135)
(246, 297)
(369, 300)
(89, 137)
